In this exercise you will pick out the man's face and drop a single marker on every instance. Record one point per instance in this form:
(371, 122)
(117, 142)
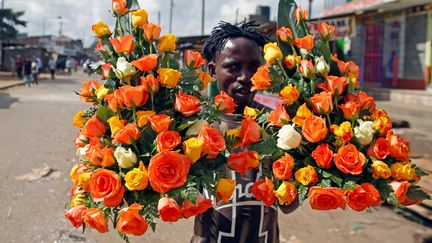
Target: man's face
(234, 66)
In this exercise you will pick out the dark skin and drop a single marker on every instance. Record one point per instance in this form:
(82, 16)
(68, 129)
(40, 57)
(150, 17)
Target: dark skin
(233, 68)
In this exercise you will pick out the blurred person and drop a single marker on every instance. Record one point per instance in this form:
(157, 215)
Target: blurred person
(19, 63)
(69, 65)
(52, 67)
(234, 53)
(12, 66)
(75, 64)
(34, 71)
(27, 71)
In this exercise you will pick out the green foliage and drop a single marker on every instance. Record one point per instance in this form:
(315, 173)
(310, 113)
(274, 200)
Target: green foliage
(419, 171)
(286, 18)
(384, 188)
(349, 185)
(104, 113)
(302, 193)
(393, 200)
(333, 175)
(9, 23)
(417, 194)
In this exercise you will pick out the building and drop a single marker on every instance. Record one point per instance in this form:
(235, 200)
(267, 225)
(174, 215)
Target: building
(389, 39)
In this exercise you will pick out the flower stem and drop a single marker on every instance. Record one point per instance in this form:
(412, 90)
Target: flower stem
(279, 63)
(328, 119)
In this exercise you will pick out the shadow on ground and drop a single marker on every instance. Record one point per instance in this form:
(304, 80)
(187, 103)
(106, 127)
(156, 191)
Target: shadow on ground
(6, 100)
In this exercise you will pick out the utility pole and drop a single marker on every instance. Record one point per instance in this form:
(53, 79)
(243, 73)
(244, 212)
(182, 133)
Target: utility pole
(159, 17)
(310, 9)
(171, 16)
(202, 17)
(1, 18)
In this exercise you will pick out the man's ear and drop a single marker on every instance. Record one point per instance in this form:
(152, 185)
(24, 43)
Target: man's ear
(212, 68)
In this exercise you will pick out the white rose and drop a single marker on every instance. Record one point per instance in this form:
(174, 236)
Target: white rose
(195, 128)
(81, 152)
(125, 158)
(124, 68)
(322, 66)
(364, 132)
(288, 137)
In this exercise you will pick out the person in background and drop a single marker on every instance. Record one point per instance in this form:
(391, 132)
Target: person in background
(69, 65)
(34, 71)
(19, 63)
(234, 53)
(52, 67)
(12, 66)
(27, 71)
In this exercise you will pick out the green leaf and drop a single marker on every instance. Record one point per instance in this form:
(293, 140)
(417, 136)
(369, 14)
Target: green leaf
(103, 113)
(334, 176)
(286, 18)
(419, 171)
(384, 188)
(416, 193)
(302, 193)
(393, 200)
(325, 51)
(110, 84)
(349, 185)
(325, 183)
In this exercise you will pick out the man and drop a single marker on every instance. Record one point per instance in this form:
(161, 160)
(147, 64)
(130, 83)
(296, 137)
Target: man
(234, 53)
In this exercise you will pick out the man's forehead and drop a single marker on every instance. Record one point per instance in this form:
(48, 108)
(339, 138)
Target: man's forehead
(240, 46)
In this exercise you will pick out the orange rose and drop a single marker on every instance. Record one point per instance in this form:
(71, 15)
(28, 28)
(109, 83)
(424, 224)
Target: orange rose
(128, 134)
(350, 110)
(401, 189)
(160, 122)
(150, 83)
(151, 31)
(146, 63)
(261, 79)
(87, 92)
(168, 210)
(186, 104)
(168, 170)
(131, 96)
(106, 186)
(250, 132)
(349, 160)
(243, 161)
(323, 156)
(363, 196)
(380, 149)
(224, 102)
(94, 128)
(277, 115)
(326, 31)
(122, 44)
(336, 84)
(205, 79)
(282, 168)
(225, 189)
(130, 221)
(382, 122)
(301, 14)
(213, 140)
(194, 59)
(399, 147)
(95, 219)
(365, 101)
(322, 103)
(284, 34)
(306, 42)
(289, 94)
(103, 157)
(167, 140)
(263, 190)
(112, 102)
(189, 209)
(306, 68)
(314, 129)
(326, 198)
(119, 7)
(106, 70)
(76, 215)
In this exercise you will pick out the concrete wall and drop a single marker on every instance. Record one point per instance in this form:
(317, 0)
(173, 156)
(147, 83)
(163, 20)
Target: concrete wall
(415, 46)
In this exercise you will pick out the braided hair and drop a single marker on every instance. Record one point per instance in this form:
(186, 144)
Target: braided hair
(225, 31)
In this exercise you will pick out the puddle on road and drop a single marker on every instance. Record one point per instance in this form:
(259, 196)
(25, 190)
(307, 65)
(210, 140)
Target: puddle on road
(6, 100)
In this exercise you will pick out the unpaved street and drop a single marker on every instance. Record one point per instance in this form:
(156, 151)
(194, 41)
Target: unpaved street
(36, 129)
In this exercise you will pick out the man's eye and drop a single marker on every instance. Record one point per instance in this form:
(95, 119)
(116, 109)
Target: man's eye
(231, 67)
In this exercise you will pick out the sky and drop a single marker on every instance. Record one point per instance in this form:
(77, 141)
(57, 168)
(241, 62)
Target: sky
(77, 16)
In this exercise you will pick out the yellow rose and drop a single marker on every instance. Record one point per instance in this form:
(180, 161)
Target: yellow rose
(137, 178)
(78, 199)
(115, 125)
(250, 113)
(101, 92)
(380, 170)
(139, 18)
(100, 29)
(344, 131)
(306, 175)
(286, 193)
(167, 43)
(272, 52)
(402, 171)
(143, 117)
(235, 132)
(289, 94)
(169, 77)
(225, 189)
(193, 148)
(84, 180)
(79, 120)
(303, 112)
(291, 61)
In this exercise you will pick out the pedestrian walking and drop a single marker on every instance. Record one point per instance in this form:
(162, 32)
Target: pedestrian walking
(12, 66)
(19, 66)
(52, 67)
(69, 65)
(27, 71)
(34, 71)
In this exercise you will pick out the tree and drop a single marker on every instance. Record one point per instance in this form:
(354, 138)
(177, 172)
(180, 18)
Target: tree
(9, 19)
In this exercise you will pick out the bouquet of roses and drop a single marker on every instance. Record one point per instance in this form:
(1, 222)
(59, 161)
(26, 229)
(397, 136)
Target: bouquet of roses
(326, 140)
(145, 147)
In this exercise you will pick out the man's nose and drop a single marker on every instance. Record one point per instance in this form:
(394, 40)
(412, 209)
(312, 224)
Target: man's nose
(244, 76)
